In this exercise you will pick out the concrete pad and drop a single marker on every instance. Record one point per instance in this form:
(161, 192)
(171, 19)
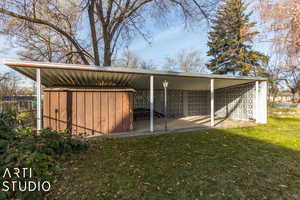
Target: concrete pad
(183, 124)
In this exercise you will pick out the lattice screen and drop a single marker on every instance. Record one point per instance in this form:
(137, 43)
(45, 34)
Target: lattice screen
(198, 102)
(175, 101)
(235, 102)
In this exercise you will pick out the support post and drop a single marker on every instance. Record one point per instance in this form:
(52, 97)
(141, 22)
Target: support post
(151, 104)
(262, 111)
(38, 98)
(165, 85)
(264, 102)
(212, 102)
(256, 100)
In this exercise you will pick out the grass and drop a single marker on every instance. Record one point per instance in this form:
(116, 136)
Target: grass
(260, 162)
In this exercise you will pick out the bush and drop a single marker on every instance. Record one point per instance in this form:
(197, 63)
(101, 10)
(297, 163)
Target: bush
(24, 148)
(8, 120)
(50, 142)
(25, 118)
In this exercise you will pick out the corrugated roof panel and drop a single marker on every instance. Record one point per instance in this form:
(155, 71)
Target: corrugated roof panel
(64, 75)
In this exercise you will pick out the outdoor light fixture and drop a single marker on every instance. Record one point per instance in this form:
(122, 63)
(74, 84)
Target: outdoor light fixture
(165, 85)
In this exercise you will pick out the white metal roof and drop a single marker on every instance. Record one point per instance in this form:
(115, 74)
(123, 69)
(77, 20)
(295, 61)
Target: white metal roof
(70, 75)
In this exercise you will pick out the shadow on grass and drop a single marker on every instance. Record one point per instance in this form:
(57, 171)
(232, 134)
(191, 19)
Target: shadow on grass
(214, 164)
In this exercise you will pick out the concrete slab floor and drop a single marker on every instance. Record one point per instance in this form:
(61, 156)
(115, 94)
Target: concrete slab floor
(183, 124)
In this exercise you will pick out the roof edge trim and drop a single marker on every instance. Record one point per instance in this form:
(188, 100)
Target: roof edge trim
(48, 65)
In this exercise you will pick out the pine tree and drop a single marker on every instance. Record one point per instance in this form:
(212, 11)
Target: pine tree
(230, 42)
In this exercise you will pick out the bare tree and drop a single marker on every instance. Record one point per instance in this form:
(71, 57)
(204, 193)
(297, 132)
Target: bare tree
(283, 21)
(191, 61)
(275, 79)
(292, 79)
(128, 59)
(147, 64)
(8, 84)
(123, 18)
(46, 30)
(186, 61)
(131, 60)
(55, 24)
(170, 64)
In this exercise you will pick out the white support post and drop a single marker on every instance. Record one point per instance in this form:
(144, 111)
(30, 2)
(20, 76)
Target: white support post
(151, 104)
(256, 100)
(264, 94)
(38, 97)
(212, 102)
(262, 111)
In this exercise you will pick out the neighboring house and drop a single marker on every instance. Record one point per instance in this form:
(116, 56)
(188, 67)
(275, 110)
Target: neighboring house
(19, 103)
(19, 98)
(282, 97)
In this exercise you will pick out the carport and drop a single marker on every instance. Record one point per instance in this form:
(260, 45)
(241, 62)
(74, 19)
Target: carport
(189, 94)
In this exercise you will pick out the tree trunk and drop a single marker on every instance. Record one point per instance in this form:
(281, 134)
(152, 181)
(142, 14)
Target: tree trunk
(297, 96)
(107, 56)
(93, 32)
(273, 95)
(293, 96)
(107, 49)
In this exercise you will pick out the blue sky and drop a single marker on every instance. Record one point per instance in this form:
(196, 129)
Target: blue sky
(164, 42)
(6, 52)
(169, 41)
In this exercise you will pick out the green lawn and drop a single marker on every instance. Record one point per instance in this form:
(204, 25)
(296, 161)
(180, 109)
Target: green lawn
(260, 162)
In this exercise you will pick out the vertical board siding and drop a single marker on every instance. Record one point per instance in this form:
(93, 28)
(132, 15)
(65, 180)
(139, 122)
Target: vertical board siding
(54, 110)
(88, 112)
(97, 112)
(80, 113)
(46, 109)
(119, 111)
(74, 113)
(63, 111)
(130, 111)
(104, 112)
(111, 112)
(126, 113)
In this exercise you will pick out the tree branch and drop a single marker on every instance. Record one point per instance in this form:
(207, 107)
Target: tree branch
(46, 23)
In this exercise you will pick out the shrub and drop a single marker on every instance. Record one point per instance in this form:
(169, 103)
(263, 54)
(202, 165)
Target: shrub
(25, 118)
(24, 148)
(8, 120)
(50, 142)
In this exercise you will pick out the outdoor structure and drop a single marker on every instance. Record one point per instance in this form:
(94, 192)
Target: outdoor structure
(99, 100)
(90, 111)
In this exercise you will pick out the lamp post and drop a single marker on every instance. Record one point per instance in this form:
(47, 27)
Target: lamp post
(165, 85)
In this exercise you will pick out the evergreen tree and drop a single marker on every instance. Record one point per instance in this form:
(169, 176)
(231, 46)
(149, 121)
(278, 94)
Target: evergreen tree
(230, 42)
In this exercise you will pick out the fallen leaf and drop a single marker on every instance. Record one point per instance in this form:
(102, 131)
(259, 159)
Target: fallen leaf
(283, 186)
